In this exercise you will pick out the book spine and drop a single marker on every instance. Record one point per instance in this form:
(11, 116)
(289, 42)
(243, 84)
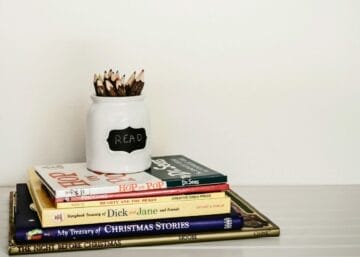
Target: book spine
(107, 214)
(148, 193)
(142, 200)
(153, 227)
(86, 191)
(136, 241)
(196, 181)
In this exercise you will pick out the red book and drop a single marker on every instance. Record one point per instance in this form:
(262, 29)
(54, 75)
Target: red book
(147, 193)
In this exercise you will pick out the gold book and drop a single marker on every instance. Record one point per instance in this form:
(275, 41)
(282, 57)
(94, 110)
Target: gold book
(255, 225)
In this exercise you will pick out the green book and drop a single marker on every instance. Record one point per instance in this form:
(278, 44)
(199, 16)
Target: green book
(255, 225)
(178, 171)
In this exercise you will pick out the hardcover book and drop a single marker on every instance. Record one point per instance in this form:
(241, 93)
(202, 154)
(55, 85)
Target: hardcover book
(77, 201)
(69, 180)
(140, 200)
(28, 227)
(255, 225)
(176, 206)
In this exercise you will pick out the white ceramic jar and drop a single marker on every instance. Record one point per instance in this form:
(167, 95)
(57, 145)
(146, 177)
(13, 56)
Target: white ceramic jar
(117, 135)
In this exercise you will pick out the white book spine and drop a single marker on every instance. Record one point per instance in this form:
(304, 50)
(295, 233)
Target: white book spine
(86, 191)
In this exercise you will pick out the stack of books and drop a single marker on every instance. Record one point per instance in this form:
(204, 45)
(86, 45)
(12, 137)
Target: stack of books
(66, 207)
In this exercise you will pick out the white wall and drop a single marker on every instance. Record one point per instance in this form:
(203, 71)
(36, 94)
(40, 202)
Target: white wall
(266, 91)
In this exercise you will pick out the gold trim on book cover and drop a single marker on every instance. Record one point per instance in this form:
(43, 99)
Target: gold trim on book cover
(252, 217)
(256, 225)
(12, 206)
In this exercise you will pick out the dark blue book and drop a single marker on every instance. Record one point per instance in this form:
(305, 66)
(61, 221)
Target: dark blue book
(28, 227)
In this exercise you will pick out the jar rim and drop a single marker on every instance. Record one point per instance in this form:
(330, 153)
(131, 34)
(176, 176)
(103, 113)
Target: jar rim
(116, 99)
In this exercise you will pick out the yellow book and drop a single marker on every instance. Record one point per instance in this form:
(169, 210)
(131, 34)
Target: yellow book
(50, 216)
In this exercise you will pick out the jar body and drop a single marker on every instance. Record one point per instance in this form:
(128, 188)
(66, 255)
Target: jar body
(117, 135)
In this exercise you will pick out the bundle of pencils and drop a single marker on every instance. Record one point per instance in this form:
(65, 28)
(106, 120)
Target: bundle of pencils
(112, 84)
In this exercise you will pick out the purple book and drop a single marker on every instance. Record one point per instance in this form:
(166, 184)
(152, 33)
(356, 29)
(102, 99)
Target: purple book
(28, 227)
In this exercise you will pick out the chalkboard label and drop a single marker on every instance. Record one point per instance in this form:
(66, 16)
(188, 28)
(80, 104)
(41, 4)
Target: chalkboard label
(127, 140)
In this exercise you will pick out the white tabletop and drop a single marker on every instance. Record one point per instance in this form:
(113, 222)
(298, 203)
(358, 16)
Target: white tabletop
(314, 221)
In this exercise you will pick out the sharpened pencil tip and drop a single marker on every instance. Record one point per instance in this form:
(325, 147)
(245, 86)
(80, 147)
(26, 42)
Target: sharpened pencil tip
(111, 83)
